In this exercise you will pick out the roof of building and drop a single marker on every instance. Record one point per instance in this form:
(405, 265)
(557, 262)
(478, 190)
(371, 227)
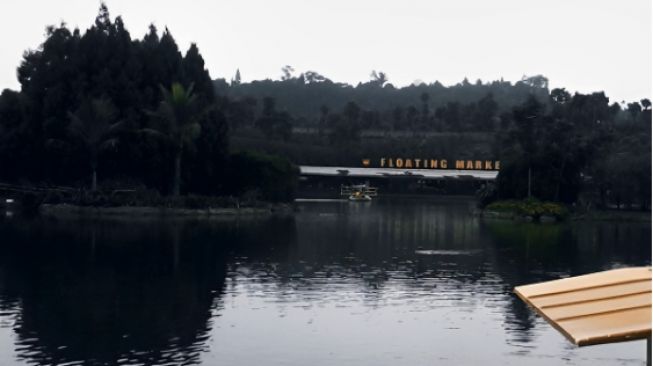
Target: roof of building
(395, 173)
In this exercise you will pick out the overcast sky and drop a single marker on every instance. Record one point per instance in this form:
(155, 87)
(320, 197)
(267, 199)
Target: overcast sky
(585, 46)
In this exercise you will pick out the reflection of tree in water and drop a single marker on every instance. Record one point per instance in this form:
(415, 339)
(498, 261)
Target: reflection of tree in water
(110, 293)
(145, 292)
(374, 250)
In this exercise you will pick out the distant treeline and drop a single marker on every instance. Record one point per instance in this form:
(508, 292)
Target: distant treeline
(310, 96)
(314, 101)
(575, 146)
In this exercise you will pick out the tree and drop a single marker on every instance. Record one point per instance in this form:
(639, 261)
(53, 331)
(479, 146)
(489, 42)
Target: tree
(537, 81)
(646, 103)
(195, 73)
(425, 108)
(178, 119)
(411, 117)
(274, 123)
(324, 114)
(485, 111)
(397, 117)
(287, 72)
(345, 128)
(94, 125)
(314, 77)
(236, 79)
(70, 72)
(560, 95)
(519, 150)
(634, 109)
(379, 78)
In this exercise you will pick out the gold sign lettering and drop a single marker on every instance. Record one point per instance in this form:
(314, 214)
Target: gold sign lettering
(434, 164)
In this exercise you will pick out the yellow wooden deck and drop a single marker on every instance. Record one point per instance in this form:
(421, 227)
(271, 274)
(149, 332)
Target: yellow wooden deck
(604, 307)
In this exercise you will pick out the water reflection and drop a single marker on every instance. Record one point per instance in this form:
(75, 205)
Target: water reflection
(199, 291)
(92, 293)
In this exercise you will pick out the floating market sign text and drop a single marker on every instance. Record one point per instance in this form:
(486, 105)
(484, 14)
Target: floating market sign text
(435, 164)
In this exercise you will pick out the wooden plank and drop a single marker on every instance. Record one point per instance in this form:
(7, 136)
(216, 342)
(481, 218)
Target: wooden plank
(558, 313)
(603, 307)
(610, 328)
(594, 280)
(592, 294)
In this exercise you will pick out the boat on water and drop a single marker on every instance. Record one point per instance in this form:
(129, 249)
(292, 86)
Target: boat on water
(359, 197)
(358, 192)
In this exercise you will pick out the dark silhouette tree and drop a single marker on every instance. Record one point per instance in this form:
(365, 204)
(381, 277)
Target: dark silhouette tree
(236, 80)
(379, 78)
(287, 72)
(94, 125)
(634, 109)
(424, 97)
(178, 121)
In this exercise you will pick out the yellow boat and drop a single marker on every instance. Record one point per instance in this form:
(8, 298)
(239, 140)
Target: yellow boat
(359, 196)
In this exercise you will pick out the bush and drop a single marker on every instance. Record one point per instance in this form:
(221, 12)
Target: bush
(272, 178)
(530, 207)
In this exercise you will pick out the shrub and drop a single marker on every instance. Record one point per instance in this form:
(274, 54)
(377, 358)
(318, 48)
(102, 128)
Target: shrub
(273, 178)
(530, 207)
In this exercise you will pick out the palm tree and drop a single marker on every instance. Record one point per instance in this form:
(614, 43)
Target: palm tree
(93, 123)
(178, 116)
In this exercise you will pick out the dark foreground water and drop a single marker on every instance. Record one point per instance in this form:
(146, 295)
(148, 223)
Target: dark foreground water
(411, 282)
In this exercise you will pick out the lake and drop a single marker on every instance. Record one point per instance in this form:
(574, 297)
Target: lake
(390, 282)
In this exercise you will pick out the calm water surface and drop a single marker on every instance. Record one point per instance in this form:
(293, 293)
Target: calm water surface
(398, 282)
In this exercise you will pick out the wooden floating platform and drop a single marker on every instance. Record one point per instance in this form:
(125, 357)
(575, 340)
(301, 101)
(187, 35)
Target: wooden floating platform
(604, 307)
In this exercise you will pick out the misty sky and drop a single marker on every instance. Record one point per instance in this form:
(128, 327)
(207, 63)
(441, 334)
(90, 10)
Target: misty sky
(586, 46)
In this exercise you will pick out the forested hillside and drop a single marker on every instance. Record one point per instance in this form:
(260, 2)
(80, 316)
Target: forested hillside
(102, 108)
(573, 145)
(310, 96)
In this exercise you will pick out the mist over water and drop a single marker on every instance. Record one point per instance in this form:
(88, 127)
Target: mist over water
(389, 282)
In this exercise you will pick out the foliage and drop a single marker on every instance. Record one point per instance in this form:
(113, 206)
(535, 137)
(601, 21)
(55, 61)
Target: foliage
(77, 86)
(273, 177)
(578, 144)
(178, 123)
(143, 197)
(274, 123)
(463, 106)
(529, 207)
(94, 125)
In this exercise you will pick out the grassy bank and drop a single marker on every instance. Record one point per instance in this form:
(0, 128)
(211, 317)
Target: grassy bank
(138, 201)
(535, 210)
(62, 210)
(527, 210)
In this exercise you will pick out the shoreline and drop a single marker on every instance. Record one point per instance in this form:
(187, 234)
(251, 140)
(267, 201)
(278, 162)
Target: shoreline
(614, 216)
(64, 209)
